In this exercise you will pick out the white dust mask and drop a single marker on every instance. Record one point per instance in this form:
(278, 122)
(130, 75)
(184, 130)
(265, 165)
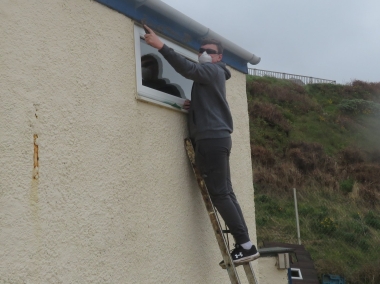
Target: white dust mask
(204, 58)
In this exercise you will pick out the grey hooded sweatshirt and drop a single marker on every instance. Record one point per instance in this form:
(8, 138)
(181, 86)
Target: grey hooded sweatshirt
(209, 113)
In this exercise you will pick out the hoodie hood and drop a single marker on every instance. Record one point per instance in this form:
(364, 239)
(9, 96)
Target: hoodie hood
(227, 72)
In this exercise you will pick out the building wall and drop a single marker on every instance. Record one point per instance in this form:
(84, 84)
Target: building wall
(269, 273)
(111, 198)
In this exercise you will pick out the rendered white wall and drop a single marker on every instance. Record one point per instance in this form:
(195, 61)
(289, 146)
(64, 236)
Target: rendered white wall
(113, 199)
(269, 273)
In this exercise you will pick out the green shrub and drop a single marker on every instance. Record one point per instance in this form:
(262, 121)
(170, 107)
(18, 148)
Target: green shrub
(267, 204)
(356, 216)
(356, 227)
(262, 198)
(372, 220)
(359, 106)
(306, 210)
(347, 185)
(364, 244)
(349, 237)
(321, 212)
(262, 221)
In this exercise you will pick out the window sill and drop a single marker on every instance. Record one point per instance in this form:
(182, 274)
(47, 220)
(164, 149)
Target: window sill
(169, 105)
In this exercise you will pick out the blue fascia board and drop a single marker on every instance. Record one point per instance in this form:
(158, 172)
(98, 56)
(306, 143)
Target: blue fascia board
(169, 28)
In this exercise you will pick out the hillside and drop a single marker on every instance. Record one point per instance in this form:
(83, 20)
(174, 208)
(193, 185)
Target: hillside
(323, 140)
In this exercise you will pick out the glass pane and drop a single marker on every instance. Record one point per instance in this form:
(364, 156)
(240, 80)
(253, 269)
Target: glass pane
(158, 74)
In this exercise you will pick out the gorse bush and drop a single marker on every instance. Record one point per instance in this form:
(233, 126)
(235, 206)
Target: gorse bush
(325, 225)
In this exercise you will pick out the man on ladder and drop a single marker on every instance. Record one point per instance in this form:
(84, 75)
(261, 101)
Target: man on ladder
(210, 126)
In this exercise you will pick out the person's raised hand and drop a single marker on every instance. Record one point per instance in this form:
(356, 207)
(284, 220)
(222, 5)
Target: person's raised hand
(152, 39)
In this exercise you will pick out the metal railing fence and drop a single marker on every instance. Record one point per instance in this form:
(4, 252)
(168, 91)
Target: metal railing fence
(280, 75)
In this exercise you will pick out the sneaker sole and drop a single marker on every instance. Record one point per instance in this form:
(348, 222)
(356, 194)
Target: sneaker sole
(242, 261)
(247, 259)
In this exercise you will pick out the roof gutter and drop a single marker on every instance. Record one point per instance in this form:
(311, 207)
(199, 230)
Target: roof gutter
(169, 12)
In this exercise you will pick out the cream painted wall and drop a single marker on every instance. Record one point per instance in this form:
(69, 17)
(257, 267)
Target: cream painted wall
(113, 199)
(269, 273)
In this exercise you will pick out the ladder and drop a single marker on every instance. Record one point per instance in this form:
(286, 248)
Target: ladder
(223, 246)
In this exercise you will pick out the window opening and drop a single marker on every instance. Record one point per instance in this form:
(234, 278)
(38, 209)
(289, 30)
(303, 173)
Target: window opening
(157, 81)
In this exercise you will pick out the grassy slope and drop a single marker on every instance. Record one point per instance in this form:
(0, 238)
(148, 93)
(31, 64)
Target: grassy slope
(323, 140)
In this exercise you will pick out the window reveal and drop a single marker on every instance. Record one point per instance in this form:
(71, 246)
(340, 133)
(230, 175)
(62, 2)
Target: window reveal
(157, 81)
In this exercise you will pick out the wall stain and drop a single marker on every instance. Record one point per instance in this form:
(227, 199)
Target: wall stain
(35, 157)
(36, 164)
(35, 206)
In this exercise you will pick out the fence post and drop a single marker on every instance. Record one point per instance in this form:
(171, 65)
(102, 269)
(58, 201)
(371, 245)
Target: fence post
(297, 220)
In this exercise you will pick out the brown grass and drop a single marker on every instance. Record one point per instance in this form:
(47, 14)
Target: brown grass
(375, 157)
(258, 88)
(372, 89)
(262, 155)
(351, 155)
(369, 273)
(270, 113)
(310, 156)
(306, 165)
(345, 121)
(291, 94)
(324, 179)
(369, 195)
(361, 90)
(366, 173)
(283, 177)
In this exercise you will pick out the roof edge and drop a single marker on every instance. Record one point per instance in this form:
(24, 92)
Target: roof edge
(182, 19)
(175, 25)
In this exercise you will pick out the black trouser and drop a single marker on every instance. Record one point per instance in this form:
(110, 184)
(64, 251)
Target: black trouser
(212, 157)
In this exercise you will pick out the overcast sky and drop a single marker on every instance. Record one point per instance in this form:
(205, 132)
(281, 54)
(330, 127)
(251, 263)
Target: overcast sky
(329, 39)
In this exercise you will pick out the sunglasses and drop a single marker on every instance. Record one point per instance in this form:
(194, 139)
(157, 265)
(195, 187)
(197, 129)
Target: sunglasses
(208, 51)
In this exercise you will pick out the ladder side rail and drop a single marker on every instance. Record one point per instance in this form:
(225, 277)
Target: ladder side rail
(250, 273)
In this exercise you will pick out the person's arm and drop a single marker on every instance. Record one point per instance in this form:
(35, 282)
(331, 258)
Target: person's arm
(152, 39)
(203, 73)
